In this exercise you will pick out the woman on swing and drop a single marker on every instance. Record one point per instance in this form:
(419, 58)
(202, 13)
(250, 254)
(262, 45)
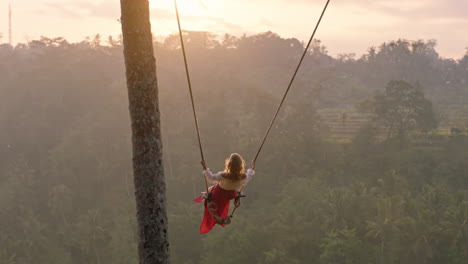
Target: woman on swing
(228, 182)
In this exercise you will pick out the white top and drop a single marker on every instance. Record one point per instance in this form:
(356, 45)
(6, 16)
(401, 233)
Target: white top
(228, 184)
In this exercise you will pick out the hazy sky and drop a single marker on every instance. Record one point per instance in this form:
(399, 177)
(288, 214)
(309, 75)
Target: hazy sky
(348, 26)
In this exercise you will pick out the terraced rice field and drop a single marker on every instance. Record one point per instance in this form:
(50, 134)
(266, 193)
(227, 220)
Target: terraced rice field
(452, 116)
(345, 122)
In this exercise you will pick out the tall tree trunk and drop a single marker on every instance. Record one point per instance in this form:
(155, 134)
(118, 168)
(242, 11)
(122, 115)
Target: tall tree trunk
(150, 188)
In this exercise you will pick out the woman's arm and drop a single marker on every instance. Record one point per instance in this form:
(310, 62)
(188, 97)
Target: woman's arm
(249, 174)
(212, 177)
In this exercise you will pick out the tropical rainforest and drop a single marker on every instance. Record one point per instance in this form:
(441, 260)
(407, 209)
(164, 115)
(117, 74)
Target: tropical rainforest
(395, 191)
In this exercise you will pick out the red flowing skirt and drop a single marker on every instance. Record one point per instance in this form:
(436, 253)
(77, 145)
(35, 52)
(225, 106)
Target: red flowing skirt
(222, 199)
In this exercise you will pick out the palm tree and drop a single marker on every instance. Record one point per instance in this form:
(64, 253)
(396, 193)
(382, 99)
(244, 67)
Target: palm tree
(420, 234)
(150, 187)
(385, 225)
(456, 225)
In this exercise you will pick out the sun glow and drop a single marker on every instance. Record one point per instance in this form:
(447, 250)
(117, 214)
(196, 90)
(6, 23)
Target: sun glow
(186, 7)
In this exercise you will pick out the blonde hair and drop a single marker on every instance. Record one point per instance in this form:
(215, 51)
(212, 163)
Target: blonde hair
(234, 168)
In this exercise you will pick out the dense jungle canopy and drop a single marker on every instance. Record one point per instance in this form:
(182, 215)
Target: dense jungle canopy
(66, 188)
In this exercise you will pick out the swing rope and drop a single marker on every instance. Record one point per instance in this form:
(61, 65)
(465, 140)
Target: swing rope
(227, 220)
(286, 92)
(289, 86)
(190, 89)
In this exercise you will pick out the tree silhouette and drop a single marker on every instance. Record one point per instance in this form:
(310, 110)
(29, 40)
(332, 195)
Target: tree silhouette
(402, 108)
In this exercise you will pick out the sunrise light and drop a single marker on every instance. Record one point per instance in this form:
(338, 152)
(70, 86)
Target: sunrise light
(186, 7)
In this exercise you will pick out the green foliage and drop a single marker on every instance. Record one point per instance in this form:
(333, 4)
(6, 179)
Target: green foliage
(343, 247)
(401, 109)
(65, 173)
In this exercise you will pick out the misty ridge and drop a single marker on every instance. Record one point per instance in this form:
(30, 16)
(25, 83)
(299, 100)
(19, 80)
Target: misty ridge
(239, 73)
(331, 187)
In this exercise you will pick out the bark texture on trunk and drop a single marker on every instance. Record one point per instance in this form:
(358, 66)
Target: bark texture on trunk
(150, 188)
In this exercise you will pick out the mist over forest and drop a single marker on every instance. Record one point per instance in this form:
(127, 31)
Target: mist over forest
(367, 163)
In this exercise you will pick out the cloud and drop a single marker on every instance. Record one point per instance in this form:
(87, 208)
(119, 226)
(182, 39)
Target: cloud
(61, 10)
(82, 9)
(400, 8)
(108, 9)
(405, 10)
(424, 10)
(348, 22)
(412, 9)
